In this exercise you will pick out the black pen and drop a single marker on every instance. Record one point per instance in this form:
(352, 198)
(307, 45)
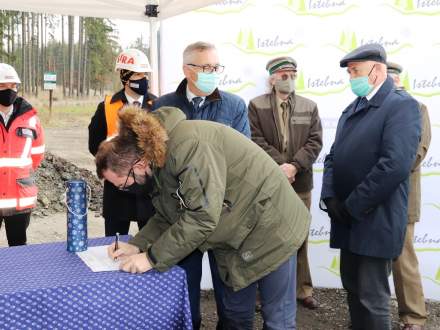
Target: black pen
(116, 241)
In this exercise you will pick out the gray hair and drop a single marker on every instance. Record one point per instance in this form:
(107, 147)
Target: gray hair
(198, 46)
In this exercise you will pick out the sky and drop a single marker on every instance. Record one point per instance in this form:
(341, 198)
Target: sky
(129, 31)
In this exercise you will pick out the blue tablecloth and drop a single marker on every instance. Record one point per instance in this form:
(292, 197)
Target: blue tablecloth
(45, 287)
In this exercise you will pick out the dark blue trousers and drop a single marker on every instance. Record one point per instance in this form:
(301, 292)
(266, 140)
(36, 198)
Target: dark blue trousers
(278, 301)
(192, 265)
(368, 292)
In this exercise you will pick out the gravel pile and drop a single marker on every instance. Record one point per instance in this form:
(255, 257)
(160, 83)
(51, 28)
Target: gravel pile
(51, 178)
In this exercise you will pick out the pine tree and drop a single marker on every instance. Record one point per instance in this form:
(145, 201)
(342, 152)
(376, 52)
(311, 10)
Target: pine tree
(300, 81)
(353, 41)
(335, 265)
(405, 82)
(240, 38)
(342, 39)
(251, 41)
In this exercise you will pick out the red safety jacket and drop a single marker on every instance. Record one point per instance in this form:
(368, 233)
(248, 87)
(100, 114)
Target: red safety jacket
(21, 152)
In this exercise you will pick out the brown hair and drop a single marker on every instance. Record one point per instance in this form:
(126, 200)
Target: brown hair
(140, 136)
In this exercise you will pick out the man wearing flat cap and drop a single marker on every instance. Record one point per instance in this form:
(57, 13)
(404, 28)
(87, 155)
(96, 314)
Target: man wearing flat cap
(287, 126)
(365, 184)
(406, 276)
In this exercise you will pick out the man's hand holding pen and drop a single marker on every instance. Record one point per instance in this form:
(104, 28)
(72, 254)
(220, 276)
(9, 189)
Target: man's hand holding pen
(132, 260)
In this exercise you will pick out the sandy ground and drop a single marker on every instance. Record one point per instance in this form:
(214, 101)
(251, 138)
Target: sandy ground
(70, 144)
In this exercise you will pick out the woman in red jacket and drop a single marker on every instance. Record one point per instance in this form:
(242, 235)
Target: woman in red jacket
(21, 152)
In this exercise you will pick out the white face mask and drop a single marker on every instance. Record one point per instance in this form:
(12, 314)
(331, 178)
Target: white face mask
(286, 86)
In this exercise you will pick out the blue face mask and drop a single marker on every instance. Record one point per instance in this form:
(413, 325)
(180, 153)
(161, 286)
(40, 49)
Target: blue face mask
(360, 86)
(207, 82)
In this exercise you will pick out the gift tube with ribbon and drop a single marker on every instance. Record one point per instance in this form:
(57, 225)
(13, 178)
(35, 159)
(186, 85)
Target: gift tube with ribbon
(77, 196)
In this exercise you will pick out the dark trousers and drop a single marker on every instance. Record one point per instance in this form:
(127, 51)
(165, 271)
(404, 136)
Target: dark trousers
(16, 226)
(113, 226)
(368, 292)
(192, 265)
(278, 301)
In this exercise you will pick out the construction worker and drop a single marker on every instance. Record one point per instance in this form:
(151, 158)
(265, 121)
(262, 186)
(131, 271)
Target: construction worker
(121, 207)
(21, 152)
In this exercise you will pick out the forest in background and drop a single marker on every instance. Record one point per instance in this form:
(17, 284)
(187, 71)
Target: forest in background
(80, 50)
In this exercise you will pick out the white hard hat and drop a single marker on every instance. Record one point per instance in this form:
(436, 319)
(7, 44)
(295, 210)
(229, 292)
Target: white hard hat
(133, 60)
(8, 74)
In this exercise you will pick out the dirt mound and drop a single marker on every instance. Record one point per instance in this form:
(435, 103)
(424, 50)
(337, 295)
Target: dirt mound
(51, 178)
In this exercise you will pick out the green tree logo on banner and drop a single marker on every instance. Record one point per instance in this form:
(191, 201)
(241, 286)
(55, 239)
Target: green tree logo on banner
(436, 279)
(250, 41)
(405, 82)
(299, 84)
(234, 84)
(347, 41)
(227, 7)
(240, 38)
(409, 7)
(421, 87)
(320, 86)
(247, 41)
(434, 205)
(350, 40)
(334, 266)
(315, 8)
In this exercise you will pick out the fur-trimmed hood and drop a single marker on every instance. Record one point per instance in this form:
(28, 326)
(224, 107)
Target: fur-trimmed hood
(150, 130)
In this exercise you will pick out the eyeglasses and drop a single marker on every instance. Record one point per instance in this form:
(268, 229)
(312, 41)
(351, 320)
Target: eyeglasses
(130, 174)
(209, 68)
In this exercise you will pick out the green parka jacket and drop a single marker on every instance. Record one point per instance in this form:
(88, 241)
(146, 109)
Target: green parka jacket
(218, 190)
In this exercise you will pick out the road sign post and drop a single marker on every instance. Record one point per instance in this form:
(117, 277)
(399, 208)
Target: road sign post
(50, 83)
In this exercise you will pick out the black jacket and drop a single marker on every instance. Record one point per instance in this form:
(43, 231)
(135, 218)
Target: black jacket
(118, 204)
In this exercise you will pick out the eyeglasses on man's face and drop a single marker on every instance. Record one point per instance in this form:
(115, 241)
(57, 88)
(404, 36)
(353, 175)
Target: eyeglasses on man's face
(130, 174)
(207, 68)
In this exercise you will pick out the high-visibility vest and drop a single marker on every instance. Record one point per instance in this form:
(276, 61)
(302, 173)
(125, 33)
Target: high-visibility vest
(21, 152)
(111, 114)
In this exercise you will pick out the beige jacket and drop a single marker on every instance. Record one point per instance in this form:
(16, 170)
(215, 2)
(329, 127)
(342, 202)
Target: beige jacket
(414, 196)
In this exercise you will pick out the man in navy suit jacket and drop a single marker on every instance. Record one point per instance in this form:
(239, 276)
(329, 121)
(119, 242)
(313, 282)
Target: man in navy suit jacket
(365, 184)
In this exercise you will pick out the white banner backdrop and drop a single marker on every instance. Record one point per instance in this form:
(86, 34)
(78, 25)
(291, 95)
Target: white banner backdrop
(317, 34)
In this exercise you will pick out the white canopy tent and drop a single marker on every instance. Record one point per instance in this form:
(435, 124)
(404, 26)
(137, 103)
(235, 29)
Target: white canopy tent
(121, 9)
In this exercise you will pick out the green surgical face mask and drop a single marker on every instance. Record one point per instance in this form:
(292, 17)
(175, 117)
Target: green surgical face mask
(360, 86)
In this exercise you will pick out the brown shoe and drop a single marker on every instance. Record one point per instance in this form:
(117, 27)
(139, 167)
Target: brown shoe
(309, 302)
(412, 327)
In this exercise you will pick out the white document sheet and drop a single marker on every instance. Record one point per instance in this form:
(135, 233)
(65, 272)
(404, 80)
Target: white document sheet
(97, 259)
